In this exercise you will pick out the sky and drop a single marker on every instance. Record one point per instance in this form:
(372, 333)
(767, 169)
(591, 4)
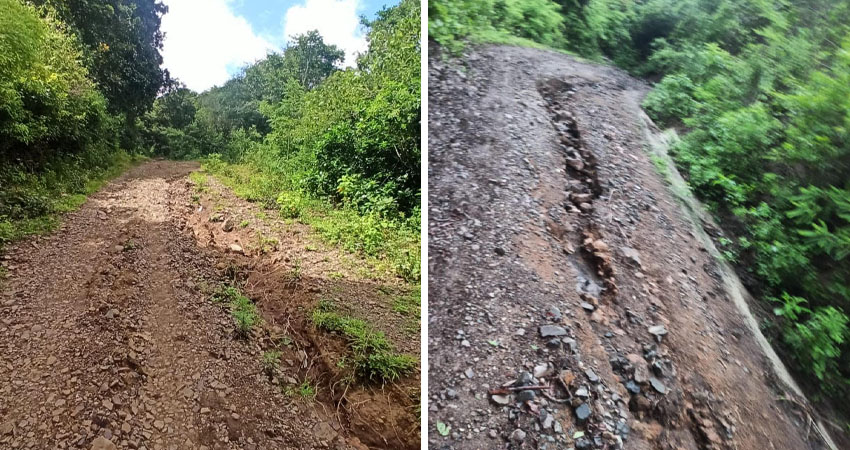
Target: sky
(208, 41)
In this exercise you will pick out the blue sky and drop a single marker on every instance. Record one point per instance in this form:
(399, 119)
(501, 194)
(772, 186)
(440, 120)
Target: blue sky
(207, 41)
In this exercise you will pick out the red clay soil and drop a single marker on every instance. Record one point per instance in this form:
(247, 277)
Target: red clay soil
(109, 339)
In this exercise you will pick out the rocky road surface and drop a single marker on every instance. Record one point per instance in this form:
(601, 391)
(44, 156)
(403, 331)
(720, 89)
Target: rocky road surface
(570, 303)
(107, 340)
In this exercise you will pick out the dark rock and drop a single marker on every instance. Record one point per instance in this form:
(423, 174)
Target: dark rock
(526, 396)
(583, 412)
(552, 331)
(632, 387)
(658, 385)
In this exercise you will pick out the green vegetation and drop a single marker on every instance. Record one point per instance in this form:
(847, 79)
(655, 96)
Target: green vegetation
(336, 149)
(271, 362)
(68, 98)
(242, 309)
(760, 91)
(374, 358)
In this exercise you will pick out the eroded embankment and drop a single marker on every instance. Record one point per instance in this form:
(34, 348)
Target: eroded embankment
(570, 302)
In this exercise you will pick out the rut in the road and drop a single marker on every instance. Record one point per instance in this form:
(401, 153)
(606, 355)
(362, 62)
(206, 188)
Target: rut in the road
(561, 263)
(108, 337)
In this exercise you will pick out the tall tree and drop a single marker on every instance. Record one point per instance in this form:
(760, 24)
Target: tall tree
(123, 41)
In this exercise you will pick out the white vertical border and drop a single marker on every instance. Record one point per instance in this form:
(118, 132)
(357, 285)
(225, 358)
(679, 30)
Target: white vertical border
(423, 320)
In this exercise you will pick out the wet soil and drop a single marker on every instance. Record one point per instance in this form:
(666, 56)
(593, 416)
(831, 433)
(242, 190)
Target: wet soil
(571, 304)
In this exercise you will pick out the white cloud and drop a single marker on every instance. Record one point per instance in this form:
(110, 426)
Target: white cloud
(336, 20)
(203, 38)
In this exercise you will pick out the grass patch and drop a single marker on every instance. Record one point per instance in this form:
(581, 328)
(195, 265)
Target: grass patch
(200, 181)
(271, 362)
(661, 167)
(374, 358)
(409, 303)
(391, 246)
(242, 309)
(32, 203)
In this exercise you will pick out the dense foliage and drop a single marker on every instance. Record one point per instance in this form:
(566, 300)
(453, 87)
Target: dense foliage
(294, 129)
(59, 131)
(761, 92)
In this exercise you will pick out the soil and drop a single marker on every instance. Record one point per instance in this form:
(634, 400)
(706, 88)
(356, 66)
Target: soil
(109, 338)
(572, 304)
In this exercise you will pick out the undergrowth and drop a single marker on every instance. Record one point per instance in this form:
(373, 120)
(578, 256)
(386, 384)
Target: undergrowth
(391, 245)
(374, 357)
(32, 202)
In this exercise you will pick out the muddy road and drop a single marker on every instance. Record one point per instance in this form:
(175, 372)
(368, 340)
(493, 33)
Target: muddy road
(571, 302)
(109, 338)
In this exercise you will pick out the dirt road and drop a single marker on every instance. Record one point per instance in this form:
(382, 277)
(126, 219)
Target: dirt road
(571, 305)
(108, 337)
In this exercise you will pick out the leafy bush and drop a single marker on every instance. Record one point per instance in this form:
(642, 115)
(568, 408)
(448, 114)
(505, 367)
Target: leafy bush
(454, 21)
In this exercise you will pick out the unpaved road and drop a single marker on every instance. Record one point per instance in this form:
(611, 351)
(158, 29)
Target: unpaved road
(555, 249)
(108, 338)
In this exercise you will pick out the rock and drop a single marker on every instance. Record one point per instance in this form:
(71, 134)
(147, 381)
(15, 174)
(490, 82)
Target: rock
(158, 424)
(583, 412)
(632, 256)
(587, 306)
(657, 331)
(125, 428)
(499, 251)
(582, 392)
(469, 373)
(451, 394)
(632, 387)
(658, 385)
(51, 360)
(553, 314)
(525, 396)
(101, 443)
(541, 370)
(591, 375)
(639, 364)
(324, 432)
(546, 421)
(235, 248)
(501, 400)
(583, 444)
(552, 331)
(517, 436)
(228, 225)
(7, 428)
(525, 379)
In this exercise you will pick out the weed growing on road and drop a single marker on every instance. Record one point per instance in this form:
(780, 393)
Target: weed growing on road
(271, 362)
(373, 358)
(242, 309)
(200, 181)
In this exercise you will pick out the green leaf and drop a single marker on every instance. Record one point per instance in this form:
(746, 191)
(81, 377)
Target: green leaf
(443, 429)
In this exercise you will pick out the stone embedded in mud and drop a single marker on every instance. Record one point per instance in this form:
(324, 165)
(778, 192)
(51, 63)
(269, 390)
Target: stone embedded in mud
(583, 412)
(657, 331)
(591, 375)
(658, 385)
(501, 400)
(101, 443)
(552, 331)
(587, 306)
(517, 436)
(228, 225)
(526, 396)
(631, 255)
(235, 248)
(632, 387)
(553, 314)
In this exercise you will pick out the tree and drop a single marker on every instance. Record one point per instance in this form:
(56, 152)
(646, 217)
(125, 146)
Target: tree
(310, 60)
(122, 41)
